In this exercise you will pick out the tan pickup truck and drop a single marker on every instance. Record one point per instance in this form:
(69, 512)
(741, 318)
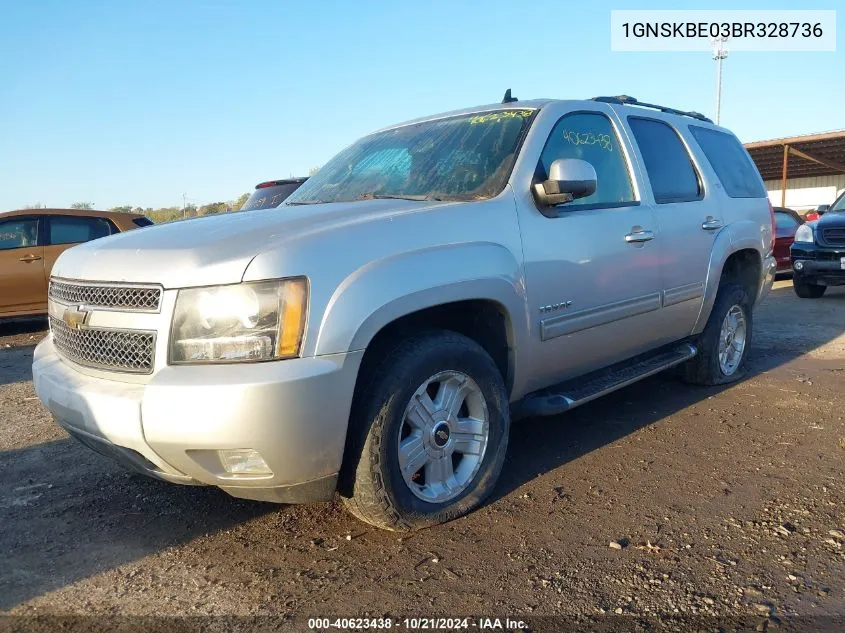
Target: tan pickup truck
(32, 239)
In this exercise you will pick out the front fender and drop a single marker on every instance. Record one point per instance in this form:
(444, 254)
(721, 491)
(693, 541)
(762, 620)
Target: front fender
(387, 289)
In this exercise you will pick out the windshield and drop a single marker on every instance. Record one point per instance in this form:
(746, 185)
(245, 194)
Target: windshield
(467, 157)
(839, 205)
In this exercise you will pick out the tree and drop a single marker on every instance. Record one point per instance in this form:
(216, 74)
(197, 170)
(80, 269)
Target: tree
(82, 205)
(213, 208)
(124, 209)
(237, 204)
(167, 214)
(313, 171)
(37, 205)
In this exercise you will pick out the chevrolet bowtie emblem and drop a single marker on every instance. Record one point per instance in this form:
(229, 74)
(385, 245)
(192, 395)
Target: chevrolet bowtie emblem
(75, 317)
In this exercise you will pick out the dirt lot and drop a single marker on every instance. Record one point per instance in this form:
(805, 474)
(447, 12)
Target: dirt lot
(724, 501)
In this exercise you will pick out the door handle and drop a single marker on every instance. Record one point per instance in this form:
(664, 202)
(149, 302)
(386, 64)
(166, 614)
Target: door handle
(642, 235)
(30, 258)
(711, 224)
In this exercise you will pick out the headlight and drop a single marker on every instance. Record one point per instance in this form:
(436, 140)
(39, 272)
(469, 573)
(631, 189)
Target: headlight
(804, 234)
(245, 322)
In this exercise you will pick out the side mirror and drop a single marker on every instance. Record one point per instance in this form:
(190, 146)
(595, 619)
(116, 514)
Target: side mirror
(822, 209)
(569, 179)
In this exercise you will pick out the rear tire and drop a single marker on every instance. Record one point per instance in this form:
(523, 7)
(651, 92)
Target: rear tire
(720, 360)
(806, 290)
(428, 437)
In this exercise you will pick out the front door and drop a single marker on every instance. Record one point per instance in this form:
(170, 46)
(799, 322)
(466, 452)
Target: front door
(23, 286)
(593, 271)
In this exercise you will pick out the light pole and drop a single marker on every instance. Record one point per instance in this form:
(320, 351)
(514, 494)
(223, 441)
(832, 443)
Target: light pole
(720, 53)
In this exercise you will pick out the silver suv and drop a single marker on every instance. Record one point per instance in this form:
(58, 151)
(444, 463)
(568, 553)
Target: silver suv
(377, 333)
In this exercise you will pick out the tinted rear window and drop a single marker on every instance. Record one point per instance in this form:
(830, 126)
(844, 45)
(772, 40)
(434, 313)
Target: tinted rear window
(75, 230)
(269, 197)
(142, 221)
(785, 221)
(731, 163)
(670, 169)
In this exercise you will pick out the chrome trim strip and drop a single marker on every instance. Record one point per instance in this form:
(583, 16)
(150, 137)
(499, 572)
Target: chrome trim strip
(570, 323)
(680, 294)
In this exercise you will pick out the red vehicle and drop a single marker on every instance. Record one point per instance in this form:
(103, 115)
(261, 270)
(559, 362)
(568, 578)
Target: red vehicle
(787, 222)
(817, 213)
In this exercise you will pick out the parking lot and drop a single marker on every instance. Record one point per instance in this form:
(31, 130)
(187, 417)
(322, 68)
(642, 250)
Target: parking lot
(659, 499)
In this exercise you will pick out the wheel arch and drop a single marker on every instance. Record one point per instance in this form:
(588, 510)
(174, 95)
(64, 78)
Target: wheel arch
(735, 256)
(446, 287)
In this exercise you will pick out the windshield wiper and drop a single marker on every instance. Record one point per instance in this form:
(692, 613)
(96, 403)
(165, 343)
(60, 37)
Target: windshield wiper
(395, 196)
(372, 196)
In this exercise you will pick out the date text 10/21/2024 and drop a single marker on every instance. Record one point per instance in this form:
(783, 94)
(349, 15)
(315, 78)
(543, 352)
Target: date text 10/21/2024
(503, 624)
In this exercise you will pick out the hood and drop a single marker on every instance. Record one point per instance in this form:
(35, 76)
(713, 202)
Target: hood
(831, 219)
(214, 249)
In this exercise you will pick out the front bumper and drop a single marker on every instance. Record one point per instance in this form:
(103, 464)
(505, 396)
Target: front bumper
(818, 264)
(293, 412)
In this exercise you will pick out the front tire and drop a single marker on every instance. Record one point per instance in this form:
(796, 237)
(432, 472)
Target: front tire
(807, 290)
(430, 434)
(723, 345)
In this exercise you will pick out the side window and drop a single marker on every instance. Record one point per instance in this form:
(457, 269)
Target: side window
(18, 233)
(66, 229)
(667, 162)
(590, 136)
(731, 163)
(785, 221)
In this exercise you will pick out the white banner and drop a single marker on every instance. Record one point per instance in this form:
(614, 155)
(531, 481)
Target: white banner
(746, 30)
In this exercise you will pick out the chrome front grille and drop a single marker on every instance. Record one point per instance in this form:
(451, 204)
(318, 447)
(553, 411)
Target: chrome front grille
(131, 351)
(107, 296)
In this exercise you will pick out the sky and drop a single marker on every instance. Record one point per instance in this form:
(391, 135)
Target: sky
(140, 103)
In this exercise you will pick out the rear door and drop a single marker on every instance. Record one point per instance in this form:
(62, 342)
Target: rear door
(688, 217)
(23, 287)
(65, 231)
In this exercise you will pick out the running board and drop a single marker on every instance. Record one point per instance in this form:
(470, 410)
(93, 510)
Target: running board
(572, 393)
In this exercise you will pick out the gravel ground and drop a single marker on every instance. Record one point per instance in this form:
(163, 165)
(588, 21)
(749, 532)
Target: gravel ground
(660, 499)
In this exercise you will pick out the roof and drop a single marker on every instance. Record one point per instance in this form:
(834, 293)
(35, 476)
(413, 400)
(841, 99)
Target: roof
(90, 213)
(533, 104)
(624, 105)
(810, 155)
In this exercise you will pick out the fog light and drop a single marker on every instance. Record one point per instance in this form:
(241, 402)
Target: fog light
(244, 461)
(799, 265)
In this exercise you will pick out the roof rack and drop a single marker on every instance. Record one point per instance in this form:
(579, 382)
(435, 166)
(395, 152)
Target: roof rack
(626, 100)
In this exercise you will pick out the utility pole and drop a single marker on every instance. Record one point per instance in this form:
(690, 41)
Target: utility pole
(184, 205)
(720, 53)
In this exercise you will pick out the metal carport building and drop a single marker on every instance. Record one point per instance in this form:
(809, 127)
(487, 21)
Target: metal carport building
(802, 172)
